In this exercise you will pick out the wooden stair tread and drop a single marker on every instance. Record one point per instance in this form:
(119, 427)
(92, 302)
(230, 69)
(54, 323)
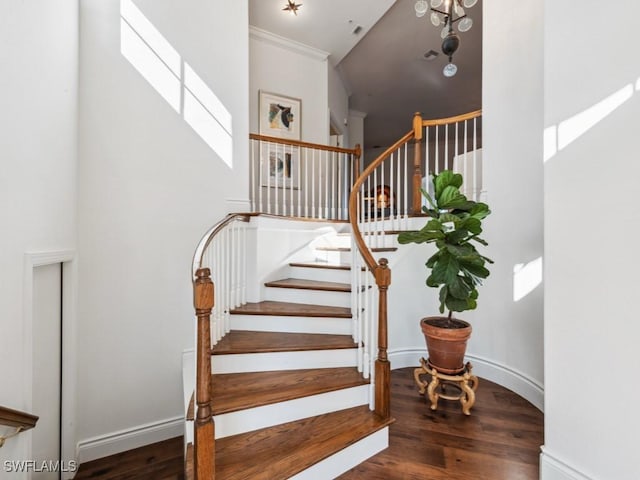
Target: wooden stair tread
(246, 341)
(283, 450)
(319, 264)
(304, 284)
(348, 249)
(288, 309)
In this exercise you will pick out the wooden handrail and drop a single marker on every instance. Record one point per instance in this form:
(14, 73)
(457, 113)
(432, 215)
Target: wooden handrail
(455, 119)
(21, 421)
(353, 201)
(210, 234)
(17, 419)
(298, 143)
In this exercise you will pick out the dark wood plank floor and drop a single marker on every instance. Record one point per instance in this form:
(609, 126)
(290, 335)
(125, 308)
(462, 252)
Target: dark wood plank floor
(499, 441)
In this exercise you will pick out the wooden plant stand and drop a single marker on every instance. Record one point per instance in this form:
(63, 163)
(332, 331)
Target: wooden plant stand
(464, 383)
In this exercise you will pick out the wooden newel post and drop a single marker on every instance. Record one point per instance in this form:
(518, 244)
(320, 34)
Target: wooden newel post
(382, 366)
(356, 162)
(203, 300)
(416, 203)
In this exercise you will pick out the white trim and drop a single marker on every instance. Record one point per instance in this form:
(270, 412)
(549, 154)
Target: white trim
(357, 114)
(508, 377)
(123, 440)
(69, 362)
(286, 43)
(553, 468)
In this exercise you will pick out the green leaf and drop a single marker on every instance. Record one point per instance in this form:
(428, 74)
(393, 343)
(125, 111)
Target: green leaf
(445, 179)
(479, 240)
(460, 250)
(473, 225)
(451, 198)
(429, 199)
(480, 210)
(459, 288)
(433, 259)
(446, 268)
(419, 237)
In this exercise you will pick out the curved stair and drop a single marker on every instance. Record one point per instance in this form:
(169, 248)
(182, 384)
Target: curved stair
(287, 398)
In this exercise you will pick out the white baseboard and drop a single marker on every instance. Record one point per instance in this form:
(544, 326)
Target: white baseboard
(123, 440)
(552, 468)
(508, 377)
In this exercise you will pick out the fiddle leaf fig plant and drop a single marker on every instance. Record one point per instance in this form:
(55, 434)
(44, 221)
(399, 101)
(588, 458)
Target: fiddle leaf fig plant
(454, 226)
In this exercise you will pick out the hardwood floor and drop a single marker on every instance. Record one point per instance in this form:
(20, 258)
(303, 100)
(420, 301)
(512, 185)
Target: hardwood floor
(499, 441)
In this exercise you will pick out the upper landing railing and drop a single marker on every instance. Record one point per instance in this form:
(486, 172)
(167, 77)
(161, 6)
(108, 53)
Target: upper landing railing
(300, 179)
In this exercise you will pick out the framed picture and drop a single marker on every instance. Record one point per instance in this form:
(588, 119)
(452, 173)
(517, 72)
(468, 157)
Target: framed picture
(279, 116)
(279, 166)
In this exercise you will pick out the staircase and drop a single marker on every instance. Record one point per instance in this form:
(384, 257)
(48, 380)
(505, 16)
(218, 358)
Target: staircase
(288, 400)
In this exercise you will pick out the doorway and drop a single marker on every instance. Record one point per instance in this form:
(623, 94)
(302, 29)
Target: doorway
(50, 359)
(47, 369)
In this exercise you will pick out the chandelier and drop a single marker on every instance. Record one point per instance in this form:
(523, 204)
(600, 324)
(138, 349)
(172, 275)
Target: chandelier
(447, 13)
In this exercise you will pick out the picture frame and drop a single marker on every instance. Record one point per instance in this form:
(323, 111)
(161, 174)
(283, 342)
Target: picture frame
(279, 115)
(280, 166)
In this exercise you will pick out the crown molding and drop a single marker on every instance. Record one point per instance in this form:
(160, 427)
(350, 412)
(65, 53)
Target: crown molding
(286, 43)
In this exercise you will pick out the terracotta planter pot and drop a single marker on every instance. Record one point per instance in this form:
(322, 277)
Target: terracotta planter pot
(446, 346)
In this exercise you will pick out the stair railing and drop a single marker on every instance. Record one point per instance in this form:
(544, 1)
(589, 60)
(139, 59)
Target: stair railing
(300, 179)
(382, 200)
(219, 258)
(17, 419)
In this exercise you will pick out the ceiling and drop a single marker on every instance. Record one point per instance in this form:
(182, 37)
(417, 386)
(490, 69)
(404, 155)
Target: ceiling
(383, 66)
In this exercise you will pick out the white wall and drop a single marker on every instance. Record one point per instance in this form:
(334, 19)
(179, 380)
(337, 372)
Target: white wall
(149, 186)
(591, 223)
(338, 104)
(509, 332)
(38, 88)
(288, 68)
(356, 129)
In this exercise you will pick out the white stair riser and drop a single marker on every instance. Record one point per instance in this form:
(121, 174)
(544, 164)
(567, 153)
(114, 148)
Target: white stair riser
(233, 423)
(345, 257)
(271, 323)
(321, 274)
(267, 362)
(314, 297)
(347, 458)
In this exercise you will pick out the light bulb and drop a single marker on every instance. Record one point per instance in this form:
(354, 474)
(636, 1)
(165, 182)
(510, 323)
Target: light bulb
(421, 8)
(449, 70)
(465, 24)
(436, 3)
(435, 19)
(469, 3)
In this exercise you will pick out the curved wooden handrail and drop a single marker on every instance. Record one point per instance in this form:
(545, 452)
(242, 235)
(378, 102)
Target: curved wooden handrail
(455, 119)
(298, 143)
(353, 201)
(210, 234)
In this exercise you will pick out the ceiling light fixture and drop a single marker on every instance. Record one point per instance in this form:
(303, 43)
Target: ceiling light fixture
(292, 7)
(448, 13)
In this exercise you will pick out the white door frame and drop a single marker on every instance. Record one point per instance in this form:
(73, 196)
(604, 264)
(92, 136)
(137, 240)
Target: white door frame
(69, 290)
